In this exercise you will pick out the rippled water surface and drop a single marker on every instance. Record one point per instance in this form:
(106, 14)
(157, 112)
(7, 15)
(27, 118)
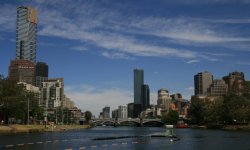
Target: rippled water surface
(83, 139)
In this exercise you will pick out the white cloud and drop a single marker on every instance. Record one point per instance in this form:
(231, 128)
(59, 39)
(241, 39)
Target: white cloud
(192, 61)
(117, 34)
(116, 55)
(94, 99)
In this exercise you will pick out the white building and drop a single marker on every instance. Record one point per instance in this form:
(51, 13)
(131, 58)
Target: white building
(32, 88)
(123, 112)
(52, 93)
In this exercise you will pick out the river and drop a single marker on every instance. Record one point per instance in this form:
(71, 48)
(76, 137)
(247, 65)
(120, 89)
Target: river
(190, 139)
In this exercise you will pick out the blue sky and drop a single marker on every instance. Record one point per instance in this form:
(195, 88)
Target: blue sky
(95, 44)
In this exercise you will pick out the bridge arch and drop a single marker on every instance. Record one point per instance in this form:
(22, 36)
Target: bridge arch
(152, 123)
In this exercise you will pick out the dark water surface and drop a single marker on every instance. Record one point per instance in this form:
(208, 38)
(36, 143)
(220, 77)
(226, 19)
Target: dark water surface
(82, 139)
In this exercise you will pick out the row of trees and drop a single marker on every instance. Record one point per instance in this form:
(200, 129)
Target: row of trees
(16, 102)
(230, 109)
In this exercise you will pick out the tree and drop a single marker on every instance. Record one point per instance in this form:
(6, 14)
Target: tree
(88, 116)
(171, 117)
(14, 99)
(197, 111)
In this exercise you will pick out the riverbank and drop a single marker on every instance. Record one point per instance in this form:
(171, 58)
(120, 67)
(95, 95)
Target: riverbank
(223, 127)
(38, 128)
(237, 127)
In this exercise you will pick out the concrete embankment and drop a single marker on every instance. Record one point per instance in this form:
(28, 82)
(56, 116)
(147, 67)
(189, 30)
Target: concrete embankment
(38, 128)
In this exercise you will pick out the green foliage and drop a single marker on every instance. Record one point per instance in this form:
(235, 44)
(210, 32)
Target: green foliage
(171, 117)
(197, 111)
(88, 116)
(14, 101)
(229, 109)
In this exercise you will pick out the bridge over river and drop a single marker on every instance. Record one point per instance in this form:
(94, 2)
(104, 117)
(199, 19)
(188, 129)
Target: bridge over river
(128, 122)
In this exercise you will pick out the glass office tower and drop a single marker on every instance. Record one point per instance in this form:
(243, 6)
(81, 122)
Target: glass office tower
(26, 33)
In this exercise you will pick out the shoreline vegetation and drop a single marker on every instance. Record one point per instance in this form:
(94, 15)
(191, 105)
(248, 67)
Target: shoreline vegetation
(223, 127)
(15, 128)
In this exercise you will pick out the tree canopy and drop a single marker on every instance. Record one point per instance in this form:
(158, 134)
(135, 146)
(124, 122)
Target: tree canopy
(14, 101)
(171, 117)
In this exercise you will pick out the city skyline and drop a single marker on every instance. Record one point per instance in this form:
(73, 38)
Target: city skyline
(96, 50)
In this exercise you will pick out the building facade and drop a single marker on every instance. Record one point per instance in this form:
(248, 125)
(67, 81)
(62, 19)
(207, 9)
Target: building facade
(180, 105)
(26, 29)
(115, 113)
(218, 88)
(202, 82)
(145, 97)
(138, 83)
(42, 71)
(52, 93)
(22, 71)
(106, 112)
(134, 110)
(164, 100)
(235, 81)
(122, 112)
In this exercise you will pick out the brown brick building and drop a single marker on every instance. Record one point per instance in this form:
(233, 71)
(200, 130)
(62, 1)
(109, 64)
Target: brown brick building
(22, 71)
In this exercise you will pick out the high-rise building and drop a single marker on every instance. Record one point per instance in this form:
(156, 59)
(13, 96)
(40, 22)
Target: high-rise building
(202, 81)
(52, 93)
(22, 71)
(134, 110)
(218, 88)
(235, 81)
(122, 112)
(26, 33)
(145, 97)
(42, 70)
(138, 83)
(106, 112)
(164, 100)
(115, 113)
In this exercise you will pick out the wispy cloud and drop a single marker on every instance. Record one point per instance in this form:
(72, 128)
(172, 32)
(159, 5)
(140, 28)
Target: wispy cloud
(119, 36)
(192, 61)
(79, 48)
(116, 55)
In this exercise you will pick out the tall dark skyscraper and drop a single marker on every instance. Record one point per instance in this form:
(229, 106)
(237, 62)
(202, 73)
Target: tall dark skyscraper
(42, 71)
(138, 83)
(145, 97)
(141, 94)
(26, 29)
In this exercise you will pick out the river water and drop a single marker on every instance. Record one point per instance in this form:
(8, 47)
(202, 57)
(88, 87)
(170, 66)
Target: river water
(190, 139)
